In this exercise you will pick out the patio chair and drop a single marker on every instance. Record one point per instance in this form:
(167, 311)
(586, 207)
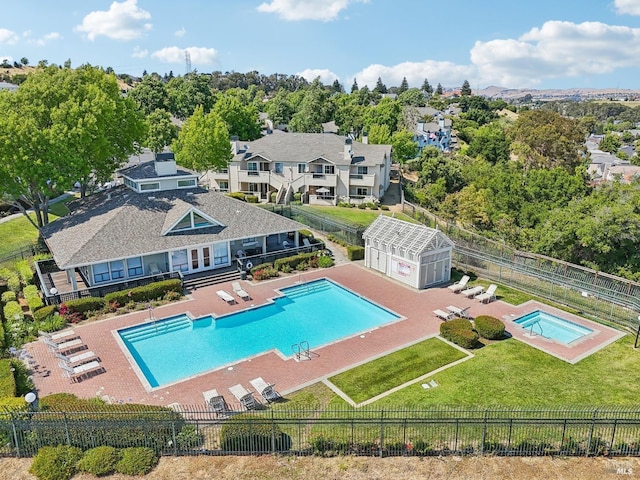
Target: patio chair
(473, 291)
(154, 269)
(244, 396)
(489, 295)
(79, 359)
(81, 371)
(225, 296)
(306, 242)
(238, 290)
(443, 315)
(286, 244)
(66, 347)
(59, 337)
(215, 402)
(459, 312)
(456, 287)
(265, 389)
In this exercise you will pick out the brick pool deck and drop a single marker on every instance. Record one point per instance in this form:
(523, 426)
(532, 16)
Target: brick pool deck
(120, 383)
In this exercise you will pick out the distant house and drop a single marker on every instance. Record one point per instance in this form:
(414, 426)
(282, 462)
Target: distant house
(323, 168)
(434, 134)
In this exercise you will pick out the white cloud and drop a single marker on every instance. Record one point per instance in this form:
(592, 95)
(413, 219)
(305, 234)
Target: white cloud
(139, 52)
(445, 73)
(199, 55)
(557, 49)
(8, 58)
(327, 77)
(8, 37)
(292, 10)
(45, 39)
(180, 33)
(123, 21)
(628, 7)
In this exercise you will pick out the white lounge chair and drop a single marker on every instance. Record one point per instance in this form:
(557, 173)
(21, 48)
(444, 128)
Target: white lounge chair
(79, 359)
(489, 295)
(238, 290)
(456, 287)
(153, 269)
(225, 296)
(65, 347)
(265, 389)
(459, 312)
(443, 315)
(244, 396)
(473, 291)
(215, 402)
(59, 337)
(77, 373)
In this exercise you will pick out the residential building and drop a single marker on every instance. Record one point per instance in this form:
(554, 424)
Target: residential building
(436, 133)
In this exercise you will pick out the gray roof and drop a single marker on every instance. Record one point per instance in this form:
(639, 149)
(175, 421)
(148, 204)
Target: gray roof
(409, 237)
(121, 223)
(307, 147)
(148, 170)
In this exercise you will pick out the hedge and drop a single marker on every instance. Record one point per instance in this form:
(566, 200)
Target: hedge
(355, 252)
(144, 293)
(41, 314)
(459, 331)
(84, 304)
(294, 260)
(136, 461)
(251, 199)
(262, 266)
(13, 312)
(8, 296)
(32, 296)
(489, 327)
(25, 271)
(236, 195)
(240, 434)
(7, 379)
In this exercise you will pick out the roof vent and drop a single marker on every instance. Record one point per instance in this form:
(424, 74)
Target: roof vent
(190, 194)
(152, 198)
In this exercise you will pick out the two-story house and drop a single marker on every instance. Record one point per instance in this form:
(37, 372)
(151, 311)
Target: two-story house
(323, 168)
(436, 133)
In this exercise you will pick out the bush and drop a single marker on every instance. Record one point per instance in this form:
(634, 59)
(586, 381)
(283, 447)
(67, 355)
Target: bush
(144, 293)
(23, 267)
(136, 461)
(52, 323)
(262, 266)
(384, 207)
(41, 314)
(13, 312)
(32, 296)
(84, 305)
(459, 331)
(325, 261)
(273, 196)
(488, 327)
(355, 252)
(240, 434)
(305, 234)
(236, 195)
(55, 463)
(251, 199)
(189, 438)
(14, 284)
(99, 461)
(7, 380)
(8, 296)
(297, 197)
(265, 273)
(294, 260)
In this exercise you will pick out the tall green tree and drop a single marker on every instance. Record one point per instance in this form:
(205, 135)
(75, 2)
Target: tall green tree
(188, 92)
(354, 86)
(379, 135)
(465, 91)
(404, 86)
(279, 108)
(150, 94)
(404, 147)
(203, 142)
(439, 90)
(491, 143)
(313, 110)
(610, 143)
(160, 131)
(426, 87)
(380, 87)
(241, 120)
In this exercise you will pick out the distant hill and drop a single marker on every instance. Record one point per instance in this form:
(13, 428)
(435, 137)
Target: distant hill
(559, 94)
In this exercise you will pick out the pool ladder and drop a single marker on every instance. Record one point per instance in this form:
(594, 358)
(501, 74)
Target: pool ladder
(152, 318)
(539, 326)
(301, 350)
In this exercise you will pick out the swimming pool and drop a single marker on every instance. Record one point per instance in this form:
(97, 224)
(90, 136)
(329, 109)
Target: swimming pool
(552, 327)
(319, 312)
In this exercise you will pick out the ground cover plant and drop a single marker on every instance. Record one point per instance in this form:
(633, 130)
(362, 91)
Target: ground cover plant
(378, 376)
(354, 216)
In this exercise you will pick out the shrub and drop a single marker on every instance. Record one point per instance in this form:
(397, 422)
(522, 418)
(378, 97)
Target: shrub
(355, 252)
(14, 284)
(240, 434)
(362, 206)
(262, 266)
(488, 327)
(136, 461)
(23, 267)
(55, 463)
(273, 197)
(294, 260)
(32, 296)
(189, 438)
(251, 199)
(297, 197)
(265, 273)
(8, 296)
(52, 323)
(13, 312)
(7, 380)
(144, 293)
(41, 314)
(99, 461)
(384, 207)
(84, 305)
(325, 261)
(459, 331)
(236, 195)
(305, 234)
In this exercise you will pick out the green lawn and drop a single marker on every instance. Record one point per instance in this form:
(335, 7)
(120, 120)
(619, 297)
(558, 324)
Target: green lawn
(354, 216)
(15, 234)
(381, 375)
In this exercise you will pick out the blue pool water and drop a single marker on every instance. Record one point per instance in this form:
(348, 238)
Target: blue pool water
(550, 326)
(318, 312)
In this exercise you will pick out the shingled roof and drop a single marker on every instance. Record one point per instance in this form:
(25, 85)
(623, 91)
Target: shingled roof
(120, 224)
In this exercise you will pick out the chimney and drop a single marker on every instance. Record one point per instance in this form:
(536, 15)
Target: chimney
(365, 138)
(165, 164)
(235, 144)
(348, 152)
(441, 121)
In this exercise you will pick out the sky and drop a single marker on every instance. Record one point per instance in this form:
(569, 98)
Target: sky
(508, 43)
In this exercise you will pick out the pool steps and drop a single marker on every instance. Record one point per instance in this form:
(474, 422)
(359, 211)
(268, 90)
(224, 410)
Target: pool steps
(302, 290)
(152, 329)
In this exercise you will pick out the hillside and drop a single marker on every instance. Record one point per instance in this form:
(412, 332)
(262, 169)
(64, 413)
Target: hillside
(7, 73)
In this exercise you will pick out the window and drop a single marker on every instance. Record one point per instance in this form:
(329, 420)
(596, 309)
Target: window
(149, 186)
(302, 168)
(117, 269)
(328, 169)
(187, 183)
(184, 224)
(362, 191)
(134, 266)
(199, 221)
(253, 187)
(101, 273)
(192, 220)
(206, 257)
(220, 254)
(252, 166)
(278, 168)
(179, 261)
(223, 185)
(363, 170)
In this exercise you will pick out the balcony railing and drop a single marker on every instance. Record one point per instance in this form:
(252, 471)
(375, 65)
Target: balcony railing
(368, 180)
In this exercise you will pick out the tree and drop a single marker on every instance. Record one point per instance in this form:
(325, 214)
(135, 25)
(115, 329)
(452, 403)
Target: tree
(313, 110)
(241, 120)
(203, 142)
(186, 93)
(404, 147)
(160, 132)
(465, 91)
(24, 61)
(354, 87)
(413, 97)
(63, 126)
(426, 87)
(279, 108)
(439, 90)
(379, 135)
(337, 87)
(491, 143)
(404, 86)
(150, 94)
(380, 87)
(610, 143)
(387, 112)
(67, 64)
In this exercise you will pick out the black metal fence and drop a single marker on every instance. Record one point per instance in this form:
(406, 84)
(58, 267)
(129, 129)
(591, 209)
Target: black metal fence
(434, 431)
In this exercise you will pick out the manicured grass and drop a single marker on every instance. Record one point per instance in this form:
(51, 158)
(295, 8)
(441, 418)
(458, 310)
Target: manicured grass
(18, 233)
(354, 216)
(376, 377)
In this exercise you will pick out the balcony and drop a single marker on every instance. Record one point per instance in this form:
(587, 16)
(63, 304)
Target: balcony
(321, 179)
(223, 175)
(254, 176)
(356, 180)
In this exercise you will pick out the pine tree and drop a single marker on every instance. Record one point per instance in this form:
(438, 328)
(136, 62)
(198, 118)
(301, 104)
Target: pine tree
(465, 91)
(354, 87)
(426, 87)
(439, 89)
(404, 86)
(380, 87)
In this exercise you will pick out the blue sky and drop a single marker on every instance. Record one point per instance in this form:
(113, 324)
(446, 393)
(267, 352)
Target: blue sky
(508, 43)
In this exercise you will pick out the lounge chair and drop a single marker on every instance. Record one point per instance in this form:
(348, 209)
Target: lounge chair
(59, 337)
(77, 373)
(66, 347)
(153, 269)
(237, 289)
(459, 312)
(489, 295)
(225, 296)
(456, 287)
(306, 243)
(244, 396)
(443, 315)
(265, 389)
(473, 291)
(79, 359)
(215, 402)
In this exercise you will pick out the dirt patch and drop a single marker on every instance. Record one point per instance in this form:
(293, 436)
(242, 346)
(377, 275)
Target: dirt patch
(359, 468)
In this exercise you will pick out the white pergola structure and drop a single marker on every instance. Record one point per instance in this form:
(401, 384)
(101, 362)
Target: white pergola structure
(414, 254)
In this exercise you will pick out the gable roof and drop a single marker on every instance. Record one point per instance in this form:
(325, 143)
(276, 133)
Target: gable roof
(408, 237)
(306, 147)
(121, 224)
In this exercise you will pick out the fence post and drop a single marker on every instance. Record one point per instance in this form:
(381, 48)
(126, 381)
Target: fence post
(66, 428)
(593, 425)
(15, 436)
(381, 431)
(175, 443)
(273, 433)
(484, 432)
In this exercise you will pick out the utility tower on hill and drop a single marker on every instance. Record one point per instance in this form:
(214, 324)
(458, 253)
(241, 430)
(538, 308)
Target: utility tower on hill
(187, 61)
